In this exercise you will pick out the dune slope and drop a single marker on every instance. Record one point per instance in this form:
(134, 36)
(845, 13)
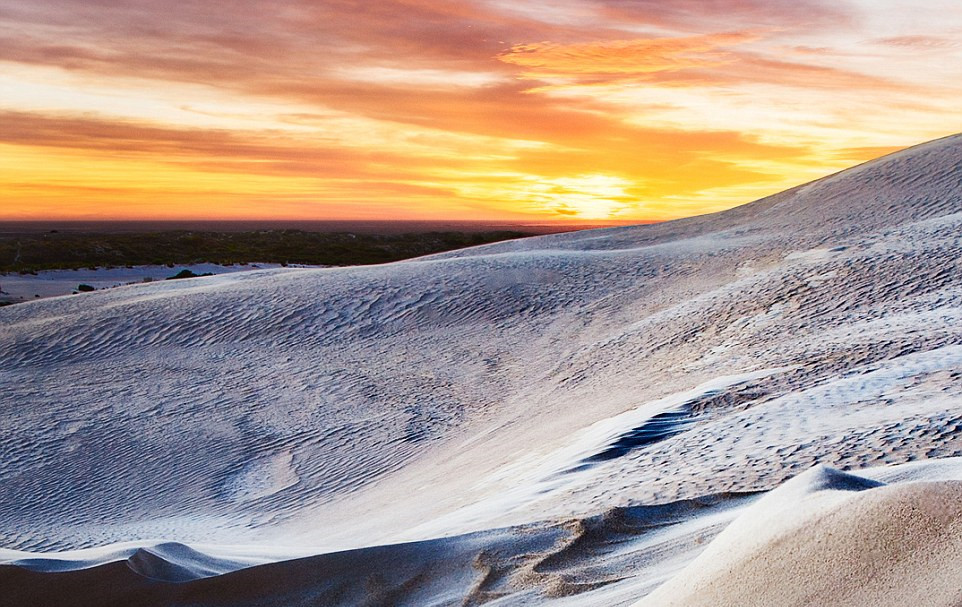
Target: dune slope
(269, 415)
(825, 538)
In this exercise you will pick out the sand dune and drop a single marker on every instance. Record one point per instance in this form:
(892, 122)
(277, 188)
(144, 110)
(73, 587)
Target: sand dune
(554, 559)
(827, 538)
(499, 425)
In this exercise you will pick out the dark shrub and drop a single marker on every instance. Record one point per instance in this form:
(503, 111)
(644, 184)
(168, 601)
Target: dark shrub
(185, 273)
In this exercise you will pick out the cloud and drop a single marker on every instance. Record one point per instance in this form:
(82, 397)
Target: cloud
(707, 14)
(269, 153)
(756, 68)
(624, 57)
(921, 42)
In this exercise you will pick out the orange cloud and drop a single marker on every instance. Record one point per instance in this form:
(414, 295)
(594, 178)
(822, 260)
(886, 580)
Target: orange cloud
(624, 57)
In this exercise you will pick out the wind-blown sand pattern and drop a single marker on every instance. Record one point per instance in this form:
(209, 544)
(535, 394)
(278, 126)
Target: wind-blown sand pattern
(564, 420)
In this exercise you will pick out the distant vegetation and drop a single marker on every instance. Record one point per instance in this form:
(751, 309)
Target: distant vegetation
(55, 250)
(187, 274)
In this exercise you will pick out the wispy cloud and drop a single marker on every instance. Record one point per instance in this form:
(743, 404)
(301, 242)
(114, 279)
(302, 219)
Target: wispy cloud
(624, 57)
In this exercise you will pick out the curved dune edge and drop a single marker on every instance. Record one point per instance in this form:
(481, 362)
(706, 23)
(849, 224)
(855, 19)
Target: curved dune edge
(828, 538)
(823, 538)
(540, 561)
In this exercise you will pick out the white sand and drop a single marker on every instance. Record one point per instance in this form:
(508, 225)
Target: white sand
(825, 538)
(527, 391)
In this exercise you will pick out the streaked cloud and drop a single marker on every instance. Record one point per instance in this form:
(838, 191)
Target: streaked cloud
(919, 41)
(624, 57)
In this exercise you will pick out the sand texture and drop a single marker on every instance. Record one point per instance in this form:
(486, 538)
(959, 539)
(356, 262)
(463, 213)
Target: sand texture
(563, 420)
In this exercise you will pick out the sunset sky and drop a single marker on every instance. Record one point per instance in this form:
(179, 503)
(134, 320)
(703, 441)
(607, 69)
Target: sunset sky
(457, 109)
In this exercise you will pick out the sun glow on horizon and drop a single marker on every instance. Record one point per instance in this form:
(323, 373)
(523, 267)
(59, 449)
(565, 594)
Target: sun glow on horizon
(600, 111)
